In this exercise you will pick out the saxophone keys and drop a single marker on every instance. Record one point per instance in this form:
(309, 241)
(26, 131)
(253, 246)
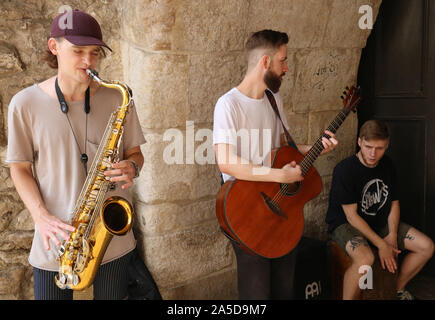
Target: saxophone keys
(70, 255)
(106, 162)
(93, 194)
(76, 243)
(86, 217)
(75, 279)
(60, 280)
(61, 251)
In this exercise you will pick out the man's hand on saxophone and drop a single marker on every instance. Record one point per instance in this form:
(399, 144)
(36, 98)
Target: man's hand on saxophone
(48, 225)
(126, 170)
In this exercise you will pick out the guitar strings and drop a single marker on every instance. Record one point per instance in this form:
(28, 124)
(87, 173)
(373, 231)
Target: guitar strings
(313, 154)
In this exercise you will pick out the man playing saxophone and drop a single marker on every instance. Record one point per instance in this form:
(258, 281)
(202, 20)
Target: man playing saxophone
(54, 129)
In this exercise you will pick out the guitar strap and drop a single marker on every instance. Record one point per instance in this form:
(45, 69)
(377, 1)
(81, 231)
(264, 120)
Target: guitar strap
(272, 101)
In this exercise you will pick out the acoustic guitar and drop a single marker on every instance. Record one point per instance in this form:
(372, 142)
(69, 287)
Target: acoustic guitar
(266, 218)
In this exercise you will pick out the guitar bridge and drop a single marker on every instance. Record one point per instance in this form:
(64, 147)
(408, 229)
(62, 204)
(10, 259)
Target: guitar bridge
(273, 206)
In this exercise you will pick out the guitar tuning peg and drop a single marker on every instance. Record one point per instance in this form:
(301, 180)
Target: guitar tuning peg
(342, 98)
(344, 92)
(347, 88)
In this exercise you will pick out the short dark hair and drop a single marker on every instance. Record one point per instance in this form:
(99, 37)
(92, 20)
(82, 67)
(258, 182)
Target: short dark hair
(266, 39)
(374, 130)
(264, 42)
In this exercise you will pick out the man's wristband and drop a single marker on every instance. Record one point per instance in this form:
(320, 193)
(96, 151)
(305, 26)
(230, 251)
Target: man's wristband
(136, 168)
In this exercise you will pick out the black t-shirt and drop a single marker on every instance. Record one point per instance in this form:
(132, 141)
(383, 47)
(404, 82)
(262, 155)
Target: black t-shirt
(373, 189)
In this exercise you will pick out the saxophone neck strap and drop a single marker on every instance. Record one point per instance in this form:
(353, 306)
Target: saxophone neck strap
(64, 105)
(87, 109)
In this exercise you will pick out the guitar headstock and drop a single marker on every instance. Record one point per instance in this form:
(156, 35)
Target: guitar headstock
(351, 98)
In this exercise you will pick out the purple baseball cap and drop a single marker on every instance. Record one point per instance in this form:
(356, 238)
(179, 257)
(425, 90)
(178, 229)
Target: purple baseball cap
(79, 28)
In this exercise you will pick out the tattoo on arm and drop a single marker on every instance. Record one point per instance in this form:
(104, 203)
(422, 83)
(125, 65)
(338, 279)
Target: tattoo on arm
(409, 237)
(355, 242)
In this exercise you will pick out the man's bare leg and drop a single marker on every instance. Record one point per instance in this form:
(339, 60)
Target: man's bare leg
(421, 250)
(361, 254)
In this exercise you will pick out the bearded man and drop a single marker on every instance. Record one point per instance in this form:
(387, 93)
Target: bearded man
(246, 128)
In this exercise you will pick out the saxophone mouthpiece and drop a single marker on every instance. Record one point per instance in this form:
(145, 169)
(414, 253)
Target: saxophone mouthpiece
(93, 74)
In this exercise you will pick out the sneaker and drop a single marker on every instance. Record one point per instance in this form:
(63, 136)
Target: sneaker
(405, 295)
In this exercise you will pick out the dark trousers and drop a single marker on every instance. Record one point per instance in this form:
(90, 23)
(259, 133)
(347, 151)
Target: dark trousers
(111, 282)
(263, 279)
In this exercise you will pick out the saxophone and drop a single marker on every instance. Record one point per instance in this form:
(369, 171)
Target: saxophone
(96, 220)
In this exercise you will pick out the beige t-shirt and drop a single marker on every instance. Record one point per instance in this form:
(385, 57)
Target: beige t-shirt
(39, 132)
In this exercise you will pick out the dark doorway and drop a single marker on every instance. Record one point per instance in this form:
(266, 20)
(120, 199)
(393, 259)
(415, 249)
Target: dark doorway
(397, 75)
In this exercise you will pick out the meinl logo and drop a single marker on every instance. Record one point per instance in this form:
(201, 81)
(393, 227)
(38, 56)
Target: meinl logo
(313, 290)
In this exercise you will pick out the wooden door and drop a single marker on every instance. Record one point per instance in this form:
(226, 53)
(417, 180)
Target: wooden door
(397, 75)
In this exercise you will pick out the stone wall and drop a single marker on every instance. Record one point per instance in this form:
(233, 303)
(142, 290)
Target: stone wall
(179, 57)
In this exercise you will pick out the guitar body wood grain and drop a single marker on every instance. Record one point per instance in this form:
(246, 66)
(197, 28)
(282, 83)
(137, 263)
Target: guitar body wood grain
(246, 216)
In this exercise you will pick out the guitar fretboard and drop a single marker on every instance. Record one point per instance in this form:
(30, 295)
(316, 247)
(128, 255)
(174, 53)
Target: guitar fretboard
(317, 148)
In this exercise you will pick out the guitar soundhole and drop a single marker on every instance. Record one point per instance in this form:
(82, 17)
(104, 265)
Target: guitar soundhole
(290, 189)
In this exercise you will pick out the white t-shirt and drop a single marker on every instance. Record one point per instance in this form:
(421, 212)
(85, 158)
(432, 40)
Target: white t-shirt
(249, 124)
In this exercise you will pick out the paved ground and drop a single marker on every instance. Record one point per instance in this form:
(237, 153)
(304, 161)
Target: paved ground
(422, 287)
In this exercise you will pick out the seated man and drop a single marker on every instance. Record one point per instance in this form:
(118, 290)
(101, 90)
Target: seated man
(364, 205)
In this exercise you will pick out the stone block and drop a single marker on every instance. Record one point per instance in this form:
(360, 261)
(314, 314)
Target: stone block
(14, 257)
(211, 76)
(3, 127)
(319, 121)
(16, 240)
(148, 24)
(187, 26)
(314, 218)
(220, 286)
(10, 281)
(288, 82)
(321, 77)
(167, 217)
(22, 221)
(160, 86)
(325, 164)
(9, 206)
(163, 181)
(210, 25)
(298, 123)
(303, 20)
(10, 62)
(180, 257)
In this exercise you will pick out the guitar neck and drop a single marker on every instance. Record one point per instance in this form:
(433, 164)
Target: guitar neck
(317, 147)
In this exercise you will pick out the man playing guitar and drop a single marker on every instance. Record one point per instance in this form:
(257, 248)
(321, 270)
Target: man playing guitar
(246, 109)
